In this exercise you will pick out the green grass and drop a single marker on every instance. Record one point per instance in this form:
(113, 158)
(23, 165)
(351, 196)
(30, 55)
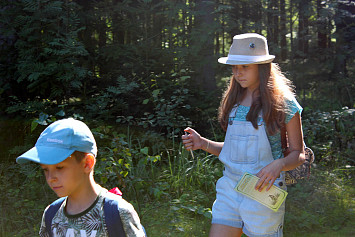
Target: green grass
(161, 219)
(164, 219)
(322, 206)
(346, 232)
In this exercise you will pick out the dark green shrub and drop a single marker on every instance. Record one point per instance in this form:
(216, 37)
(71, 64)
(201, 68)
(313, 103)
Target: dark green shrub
(332, 136)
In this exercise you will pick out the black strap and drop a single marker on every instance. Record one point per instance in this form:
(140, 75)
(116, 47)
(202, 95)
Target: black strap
(112, 218)
(51, 211)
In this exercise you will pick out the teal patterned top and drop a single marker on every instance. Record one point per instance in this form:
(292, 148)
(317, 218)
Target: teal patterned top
(275, 140)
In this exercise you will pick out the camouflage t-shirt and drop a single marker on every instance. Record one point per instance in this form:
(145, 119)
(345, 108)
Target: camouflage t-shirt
(91, 222)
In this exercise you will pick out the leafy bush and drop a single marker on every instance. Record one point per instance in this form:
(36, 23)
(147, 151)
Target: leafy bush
(332, 136)
(48, 50)
(27, 195)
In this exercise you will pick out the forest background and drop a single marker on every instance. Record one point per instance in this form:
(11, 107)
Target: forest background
(139, 71)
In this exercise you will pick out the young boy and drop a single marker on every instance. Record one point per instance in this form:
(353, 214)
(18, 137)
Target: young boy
(66, 151)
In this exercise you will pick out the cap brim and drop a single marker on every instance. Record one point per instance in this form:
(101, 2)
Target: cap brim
(225, 60)
(45, 155)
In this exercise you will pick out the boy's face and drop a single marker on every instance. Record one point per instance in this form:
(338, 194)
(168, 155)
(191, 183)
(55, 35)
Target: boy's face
(66, 177)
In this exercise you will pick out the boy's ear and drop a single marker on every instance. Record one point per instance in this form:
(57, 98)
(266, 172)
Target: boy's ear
(89, 162)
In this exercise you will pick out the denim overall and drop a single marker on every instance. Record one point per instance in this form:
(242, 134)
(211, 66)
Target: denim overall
(245, 149)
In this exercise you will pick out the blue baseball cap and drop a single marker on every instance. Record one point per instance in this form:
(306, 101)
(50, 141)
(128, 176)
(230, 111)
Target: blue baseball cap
(58, 141)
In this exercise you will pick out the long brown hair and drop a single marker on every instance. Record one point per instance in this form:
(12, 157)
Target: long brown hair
(269, 98)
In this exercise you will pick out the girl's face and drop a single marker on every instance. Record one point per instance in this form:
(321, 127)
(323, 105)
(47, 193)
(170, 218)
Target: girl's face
(247, 75)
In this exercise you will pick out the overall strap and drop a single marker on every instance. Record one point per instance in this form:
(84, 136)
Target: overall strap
(112, 218)
(50, 213)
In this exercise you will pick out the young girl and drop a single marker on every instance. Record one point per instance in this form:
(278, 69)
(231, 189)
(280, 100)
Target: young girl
(257, 103)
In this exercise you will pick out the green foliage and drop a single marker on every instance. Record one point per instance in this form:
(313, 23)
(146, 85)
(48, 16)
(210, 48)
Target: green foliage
(49, 50)
(141, 68)
(112, 102)
(186, 173)
(332, 136)
(169, 101)
(158, 103)
(27, 195)
(125, 162)
(145, 63)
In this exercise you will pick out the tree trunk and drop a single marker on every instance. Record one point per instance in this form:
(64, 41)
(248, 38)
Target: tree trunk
(303, 9)
(321, 27)
(255, 15)
(291, 30)
(244, 7)
(275, 16)
(118, 32)
(269, 22)
(283, 42)
(203, 23)
(344, 21)
(102, 29)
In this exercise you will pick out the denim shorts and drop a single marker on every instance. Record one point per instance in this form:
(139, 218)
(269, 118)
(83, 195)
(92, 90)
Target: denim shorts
(236, 210)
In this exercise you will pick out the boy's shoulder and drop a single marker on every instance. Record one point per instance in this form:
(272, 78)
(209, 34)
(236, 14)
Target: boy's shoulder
(120, 215)
(109, 196)
(125, 208)
(126, 212)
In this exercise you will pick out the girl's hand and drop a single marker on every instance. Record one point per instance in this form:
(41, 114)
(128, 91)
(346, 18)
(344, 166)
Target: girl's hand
(192, 140)
(269, 174)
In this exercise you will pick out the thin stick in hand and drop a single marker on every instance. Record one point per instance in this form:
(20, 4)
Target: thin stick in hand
(192, 154)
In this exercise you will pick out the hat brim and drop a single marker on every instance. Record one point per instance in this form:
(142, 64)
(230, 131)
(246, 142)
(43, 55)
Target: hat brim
(45, 155)
(243, 61)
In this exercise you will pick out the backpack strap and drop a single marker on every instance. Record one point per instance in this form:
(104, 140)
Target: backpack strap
(50, 213)
(284, 143)
(112, 218)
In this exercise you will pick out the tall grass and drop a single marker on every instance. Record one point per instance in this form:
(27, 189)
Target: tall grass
(191, 173)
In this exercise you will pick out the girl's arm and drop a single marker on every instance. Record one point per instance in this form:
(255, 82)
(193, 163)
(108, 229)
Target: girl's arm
(194, 141)
(296, 156)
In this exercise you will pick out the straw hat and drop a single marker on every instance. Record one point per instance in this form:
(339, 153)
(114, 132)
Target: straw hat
(250, 48)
